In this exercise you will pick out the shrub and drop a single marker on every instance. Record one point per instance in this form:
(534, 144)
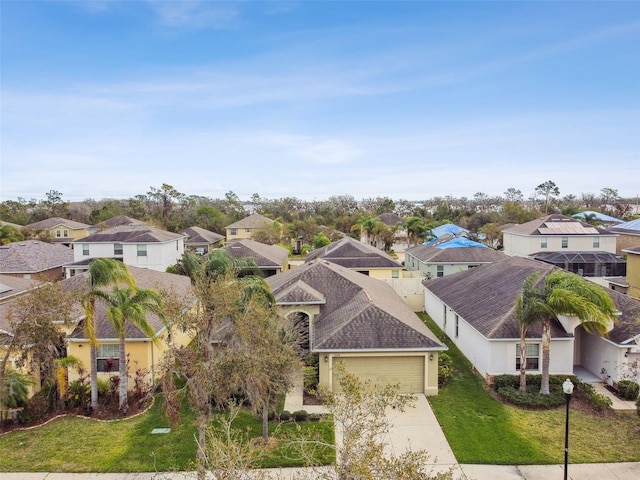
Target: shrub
(300, 415)
(315, 417)
(628, 389)
(597, 400)
(37, 408)
(445, 368)
(638, 406)
(79, 394)
(501, 381)
(285, 416)
(531, 399)
(310, 375)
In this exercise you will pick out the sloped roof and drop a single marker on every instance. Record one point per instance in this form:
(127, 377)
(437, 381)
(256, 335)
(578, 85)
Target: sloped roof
(299, 293)
(201, 236)
(555, 224)
(486, 296)
(597, 215)
(448, 229)
(56, 221)
(33, 256)
(351, 253)
(118, 221)
(632, 227)
(578, 257)
(264, 255)
(633, 250)
(252, 221)
(359, 312)
(145, 278)
(454, 250)
(131, 234)
(10, 285)
(390, 219)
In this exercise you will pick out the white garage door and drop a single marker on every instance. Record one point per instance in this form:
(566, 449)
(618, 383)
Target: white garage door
(407, 371)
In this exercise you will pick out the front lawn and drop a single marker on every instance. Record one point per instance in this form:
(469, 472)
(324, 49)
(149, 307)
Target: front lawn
(72, 444)
(481, 429)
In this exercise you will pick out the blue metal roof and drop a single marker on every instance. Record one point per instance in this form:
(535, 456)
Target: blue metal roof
(597, 215)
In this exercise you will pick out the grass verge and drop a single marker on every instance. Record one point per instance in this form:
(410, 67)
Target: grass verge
(481, 429)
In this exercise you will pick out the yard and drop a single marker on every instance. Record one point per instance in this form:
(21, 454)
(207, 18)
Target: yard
(481, 429)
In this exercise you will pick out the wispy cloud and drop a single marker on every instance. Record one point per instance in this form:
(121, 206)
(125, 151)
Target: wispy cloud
(197, 13)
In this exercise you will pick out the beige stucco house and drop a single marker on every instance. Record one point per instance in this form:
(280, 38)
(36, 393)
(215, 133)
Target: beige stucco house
(270, 259)
(201, 240)
(633, 271)
(246, 227)
(60, 230)
(628, 235)
(359, 321)
(361, 257)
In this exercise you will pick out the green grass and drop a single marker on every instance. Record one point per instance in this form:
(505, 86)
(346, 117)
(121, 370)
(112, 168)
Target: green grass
(72, 444)
(481, 429)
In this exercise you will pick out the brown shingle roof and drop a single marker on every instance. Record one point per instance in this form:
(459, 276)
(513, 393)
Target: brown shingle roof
(264, 255)
(145, 278)
(118, 221)
(351, 253)
(432, 254)
(200, 236)
(252, 221)
(33, 256)
(359, 312)
(54, 222)
(10, 286)
(131, 234)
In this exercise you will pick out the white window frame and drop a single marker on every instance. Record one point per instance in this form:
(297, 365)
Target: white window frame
(565, 242)
(439, 271)
(85, 249)
(106, 352)
(544, 242)
(533, 355)
(596, 242)
(141, 249)
(116, 250)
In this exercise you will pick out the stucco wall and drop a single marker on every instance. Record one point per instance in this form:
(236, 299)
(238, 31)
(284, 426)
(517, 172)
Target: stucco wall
(525, 245)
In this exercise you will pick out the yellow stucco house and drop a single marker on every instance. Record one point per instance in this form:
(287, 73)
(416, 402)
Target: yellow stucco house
(246, 227)
(358, 256)
(60, 230)
(270, 259)
(633, 271)
(349, 318)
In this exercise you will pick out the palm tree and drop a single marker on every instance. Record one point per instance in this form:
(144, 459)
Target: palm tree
(102, 272)
(565, 293)
(129, 305)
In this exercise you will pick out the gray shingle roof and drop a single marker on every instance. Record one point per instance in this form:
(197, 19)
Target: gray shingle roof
(10, 286)
(485, 297)
(131, 234)
(555, 224)
(54, 222)
(432, 254)
(359, 312)
(33, 256)
(351, 253)
(201, 236)
(252, 221)
(145, 278)
(117, 221)
(264, 255)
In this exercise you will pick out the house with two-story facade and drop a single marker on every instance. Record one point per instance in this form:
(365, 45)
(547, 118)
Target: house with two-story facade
(59, 230)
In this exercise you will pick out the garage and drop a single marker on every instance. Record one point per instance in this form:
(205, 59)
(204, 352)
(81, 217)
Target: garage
(408, 371)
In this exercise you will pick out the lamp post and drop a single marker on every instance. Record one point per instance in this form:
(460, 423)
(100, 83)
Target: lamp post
(567, 388)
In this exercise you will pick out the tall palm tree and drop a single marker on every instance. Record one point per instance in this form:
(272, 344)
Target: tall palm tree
(126, 305)
(102, 272)
(565, 293)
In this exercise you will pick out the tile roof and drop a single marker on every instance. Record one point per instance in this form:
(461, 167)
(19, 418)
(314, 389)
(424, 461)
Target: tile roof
(359, 312)
(485, 297)
(145, 278)
(555, 224)
(264, 255)
(54, 222)
(433, 254)
(33, 256)
(200, 236)
(131, 234)
(351, 253)
(252, 221)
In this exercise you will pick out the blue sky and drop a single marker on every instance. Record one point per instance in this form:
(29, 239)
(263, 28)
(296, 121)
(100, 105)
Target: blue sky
(415, 99)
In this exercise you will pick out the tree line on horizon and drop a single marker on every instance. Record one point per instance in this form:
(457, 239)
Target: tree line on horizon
(169, 209)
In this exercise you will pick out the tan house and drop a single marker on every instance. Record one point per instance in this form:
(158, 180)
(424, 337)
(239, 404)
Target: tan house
(142, 351)
(633, 271)
(361, 257)
(628, 235)
(34, 259)
(247, 226)
(61, 230)
(271, 259)
(349, 318)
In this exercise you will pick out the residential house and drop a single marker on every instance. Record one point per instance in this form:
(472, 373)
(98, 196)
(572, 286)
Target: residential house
(34, 259)
(633, 271)
(246, 227)
(360, 322)
(628, 235)
(59, 230)
(568, 243)
(135, 245)
(271, 259)
(447, 255)
(394, 224)
(201, 241)
(143, 352)
(448, 229)
(476, 309)
(12, 287)
(117, 221)
(363, 258)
